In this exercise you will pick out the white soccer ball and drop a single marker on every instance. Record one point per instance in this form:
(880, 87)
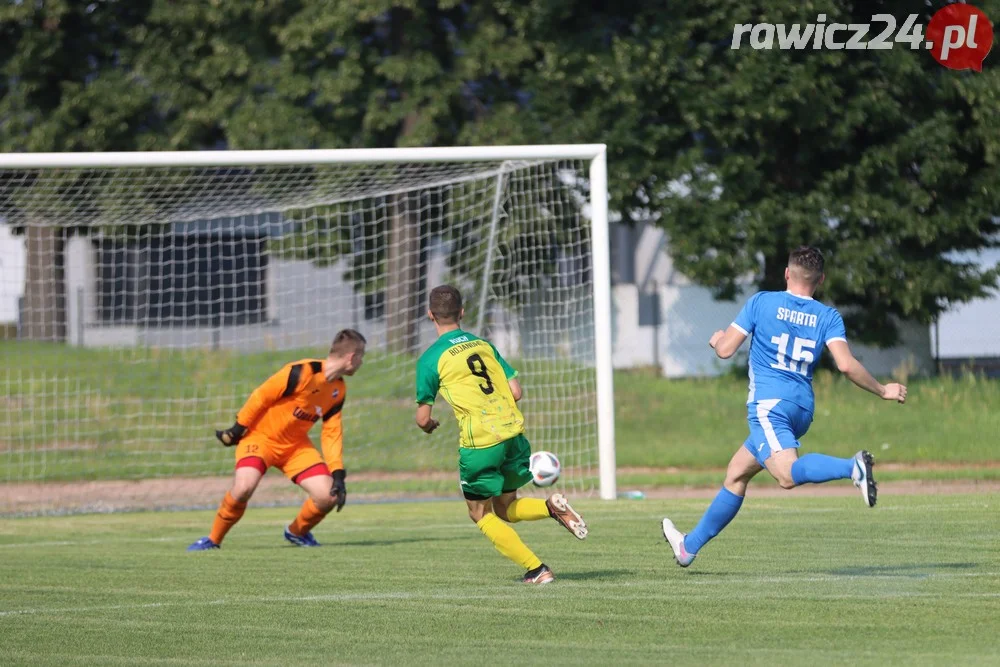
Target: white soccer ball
(545, 468)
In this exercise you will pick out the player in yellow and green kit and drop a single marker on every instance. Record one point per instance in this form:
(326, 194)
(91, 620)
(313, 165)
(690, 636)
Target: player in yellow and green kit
(493, 453)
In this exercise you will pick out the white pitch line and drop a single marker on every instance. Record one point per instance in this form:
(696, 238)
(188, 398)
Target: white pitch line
(81, 610)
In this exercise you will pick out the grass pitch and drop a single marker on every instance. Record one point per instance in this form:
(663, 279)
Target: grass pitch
(794, 580)
(88, 414)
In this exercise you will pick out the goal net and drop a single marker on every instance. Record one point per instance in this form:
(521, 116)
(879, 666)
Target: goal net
(145, 296)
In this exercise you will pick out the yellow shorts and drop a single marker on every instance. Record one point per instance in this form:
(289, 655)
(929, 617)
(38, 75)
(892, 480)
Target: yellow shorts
(297, 461)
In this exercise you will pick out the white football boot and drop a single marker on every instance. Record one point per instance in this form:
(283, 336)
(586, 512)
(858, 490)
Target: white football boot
(864, 463)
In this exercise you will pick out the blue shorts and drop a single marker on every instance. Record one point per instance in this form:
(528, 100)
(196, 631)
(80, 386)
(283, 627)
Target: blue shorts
(775, 425)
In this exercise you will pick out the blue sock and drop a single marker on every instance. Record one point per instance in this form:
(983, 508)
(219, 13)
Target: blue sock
(718, 515)
(818, 468)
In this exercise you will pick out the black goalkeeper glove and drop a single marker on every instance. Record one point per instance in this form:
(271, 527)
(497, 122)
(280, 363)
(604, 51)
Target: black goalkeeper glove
(232, 435)
(339, 489)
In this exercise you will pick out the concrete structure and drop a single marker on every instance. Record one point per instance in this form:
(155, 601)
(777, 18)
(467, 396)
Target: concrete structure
(660, 318)
(12, 264)
(971, 330)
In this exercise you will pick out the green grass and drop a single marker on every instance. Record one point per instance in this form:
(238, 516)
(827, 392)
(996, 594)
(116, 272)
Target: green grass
(120, 413)
(107, 413)
(792, 581)
(698, 423)
(713, 477)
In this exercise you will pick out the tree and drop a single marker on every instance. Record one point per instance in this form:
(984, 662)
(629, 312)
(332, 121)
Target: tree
(122, 76)
(272, 74)
(883, 159)
(402, 74)
(419, 72)
(887, 161)
(61, 89)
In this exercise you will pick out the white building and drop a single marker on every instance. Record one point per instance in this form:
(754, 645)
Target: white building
(663, 319)
(12, 258)
(659, 318)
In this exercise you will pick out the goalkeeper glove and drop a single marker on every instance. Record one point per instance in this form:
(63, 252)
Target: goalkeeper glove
(339, 489)
(232, 435)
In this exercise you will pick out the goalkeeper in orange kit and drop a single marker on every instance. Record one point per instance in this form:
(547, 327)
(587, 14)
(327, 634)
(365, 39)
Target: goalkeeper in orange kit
(272, 429)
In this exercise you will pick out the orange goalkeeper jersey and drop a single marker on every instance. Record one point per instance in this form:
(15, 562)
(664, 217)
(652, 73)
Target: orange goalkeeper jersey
(283, 409)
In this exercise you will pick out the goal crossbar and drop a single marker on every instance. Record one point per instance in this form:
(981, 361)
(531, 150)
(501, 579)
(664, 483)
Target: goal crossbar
(292, 157)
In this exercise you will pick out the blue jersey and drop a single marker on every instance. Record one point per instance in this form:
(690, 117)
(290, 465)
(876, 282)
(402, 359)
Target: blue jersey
(787, 334)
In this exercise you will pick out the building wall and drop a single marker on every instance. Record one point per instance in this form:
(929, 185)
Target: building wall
(688, 315)
(972, 330)
(661, 319)
(306, 306)
(12, 257)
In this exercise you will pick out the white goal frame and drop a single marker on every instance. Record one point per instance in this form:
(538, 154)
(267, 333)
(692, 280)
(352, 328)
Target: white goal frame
(596, 154)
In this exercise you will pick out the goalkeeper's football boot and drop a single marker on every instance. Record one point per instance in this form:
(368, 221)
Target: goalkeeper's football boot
(306, 540)
(560, 510)
(675, 538)
(203, 544)
(540, 575)
(864, 464)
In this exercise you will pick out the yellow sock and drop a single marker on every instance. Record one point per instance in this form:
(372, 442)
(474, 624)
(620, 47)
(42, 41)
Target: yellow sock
(507, 542)
(527, 509)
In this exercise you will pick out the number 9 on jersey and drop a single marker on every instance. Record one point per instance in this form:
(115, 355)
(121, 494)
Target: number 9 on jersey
(545, 468)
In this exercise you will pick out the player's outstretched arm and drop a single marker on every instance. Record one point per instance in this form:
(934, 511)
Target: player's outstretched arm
(725, 343)
(426, 423)
(232, 435)
(282, 383)
(859, 375)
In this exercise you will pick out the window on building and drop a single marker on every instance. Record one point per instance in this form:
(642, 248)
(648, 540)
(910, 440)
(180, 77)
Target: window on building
(198, 279)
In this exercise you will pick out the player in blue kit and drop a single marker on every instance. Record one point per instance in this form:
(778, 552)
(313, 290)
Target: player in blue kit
(787, 332)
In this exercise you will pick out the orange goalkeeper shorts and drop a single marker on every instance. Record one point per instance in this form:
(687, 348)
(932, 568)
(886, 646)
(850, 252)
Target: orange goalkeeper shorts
(294, 460)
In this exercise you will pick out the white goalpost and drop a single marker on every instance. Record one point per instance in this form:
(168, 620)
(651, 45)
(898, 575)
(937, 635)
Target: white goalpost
(147, 294)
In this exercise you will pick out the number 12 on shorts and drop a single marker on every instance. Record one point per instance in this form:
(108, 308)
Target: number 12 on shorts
(802, 354)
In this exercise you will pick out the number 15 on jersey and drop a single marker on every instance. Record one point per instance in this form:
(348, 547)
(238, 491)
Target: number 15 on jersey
(802, 354)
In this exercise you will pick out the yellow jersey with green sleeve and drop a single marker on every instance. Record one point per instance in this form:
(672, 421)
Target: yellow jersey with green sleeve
(472, 376)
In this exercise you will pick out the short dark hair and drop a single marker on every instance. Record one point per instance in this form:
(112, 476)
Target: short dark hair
(446, 303)
(809, 261)
(345, 340)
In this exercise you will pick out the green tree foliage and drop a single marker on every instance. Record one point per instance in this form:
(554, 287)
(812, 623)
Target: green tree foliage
(63, 85)
(884, 159)
(284, 74)
(421, 72)
(62, 89)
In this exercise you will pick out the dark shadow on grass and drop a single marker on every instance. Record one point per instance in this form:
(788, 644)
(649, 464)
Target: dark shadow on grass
(333, 544)
(401, 540)
(593, 574)
(915, 570)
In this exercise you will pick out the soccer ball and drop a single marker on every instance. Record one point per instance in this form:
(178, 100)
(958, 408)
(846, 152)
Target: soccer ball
(545, 468)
